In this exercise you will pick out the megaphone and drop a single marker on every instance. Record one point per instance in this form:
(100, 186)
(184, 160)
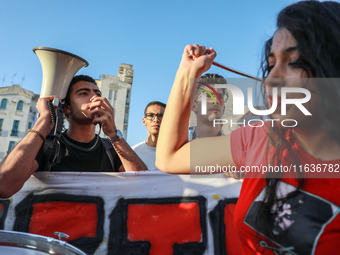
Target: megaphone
(58, 67)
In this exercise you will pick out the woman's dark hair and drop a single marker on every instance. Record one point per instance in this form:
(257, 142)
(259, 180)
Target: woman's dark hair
(316, 28)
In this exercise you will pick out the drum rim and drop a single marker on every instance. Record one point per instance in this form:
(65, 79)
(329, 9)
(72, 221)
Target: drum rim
(37, 242)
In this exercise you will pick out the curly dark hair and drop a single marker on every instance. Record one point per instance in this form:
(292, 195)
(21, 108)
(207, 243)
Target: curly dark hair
(74, 80)
(211, 78)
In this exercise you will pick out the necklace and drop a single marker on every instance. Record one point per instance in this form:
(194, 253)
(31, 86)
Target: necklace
(74, 146)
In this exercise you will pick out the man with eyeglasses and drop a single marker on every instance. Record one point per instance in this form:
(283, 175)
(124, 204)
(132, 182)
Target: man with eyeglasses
(146, 150)
(214, 108)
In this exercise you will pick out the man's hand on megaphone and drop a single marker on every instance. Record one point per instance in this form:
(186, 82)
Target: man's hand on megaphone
(102, 112)
(45, 119)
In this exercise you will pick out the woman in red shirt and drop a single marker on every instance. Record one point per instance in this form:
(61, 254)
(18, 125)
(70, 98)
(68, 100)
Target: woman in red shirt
(292, 207)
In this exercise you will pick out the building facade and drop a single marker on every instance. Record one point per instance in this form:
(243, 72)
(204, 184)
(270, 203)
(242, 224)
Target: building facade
(17, 111)
(117, 89)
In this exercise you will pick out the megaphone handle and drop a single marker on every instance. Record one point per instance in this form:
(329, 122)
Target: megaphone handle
(57, 120)
(60, 120)
(52, 111)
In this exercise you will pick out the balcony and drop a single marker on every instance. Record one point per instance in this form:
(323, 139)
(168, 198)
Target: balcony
(14, 132)
(19, 113)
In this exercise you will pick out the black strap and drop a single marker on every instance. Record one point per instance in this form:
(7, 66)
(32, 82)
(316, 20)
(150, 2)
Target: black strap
(108, 145)
(51, 150)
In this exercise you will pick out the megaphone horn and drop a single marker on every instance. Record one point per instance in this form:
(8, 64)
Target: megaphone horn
(58, 68)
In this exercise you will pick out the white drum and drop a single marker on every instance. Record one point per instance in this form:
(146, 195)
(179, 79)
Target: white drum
(18, 243)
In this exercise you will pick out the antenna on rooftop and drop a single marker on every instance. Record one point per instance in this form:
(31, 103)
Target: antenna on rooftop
(3, 80)
(22, 81)
(13, 77)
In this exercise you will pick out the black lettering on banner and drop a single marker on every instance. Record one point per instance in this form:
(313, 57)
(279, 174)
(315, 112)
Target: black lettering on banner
(128, 237)
(219, 217)
(87, 243)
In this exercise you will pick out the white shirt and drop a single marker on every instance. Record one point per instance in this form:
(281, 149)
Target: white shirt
(147, 154)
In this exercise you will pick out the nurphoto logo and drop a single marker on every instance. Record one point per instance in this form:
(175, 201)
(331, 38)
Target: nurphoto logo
(238, 102)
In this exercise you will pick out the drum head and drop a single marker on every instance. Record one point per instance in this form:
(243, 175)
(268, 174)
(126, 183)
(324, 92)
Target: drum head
(18, 243)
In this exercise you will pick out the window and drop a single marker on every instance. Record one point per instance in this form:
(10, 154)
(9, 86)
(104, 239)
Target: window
(15, 128)
(110, 94)
(126, 117)
(20, 105)
(29, 125)
(114, 98)
(11, 146)
(3, 103)
(128, 97)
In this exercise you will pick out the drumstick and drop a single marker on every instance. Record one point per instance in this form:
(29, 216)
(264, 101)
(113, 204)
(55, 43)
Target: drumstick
(237, 72)
(230, 69)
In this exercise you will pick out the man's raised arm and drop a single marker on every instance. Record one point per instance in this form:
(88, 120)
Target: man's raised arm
(174, 154)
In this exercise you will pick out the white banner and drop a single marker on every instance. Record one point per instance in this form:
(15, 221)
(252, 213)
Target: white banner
(149, 212)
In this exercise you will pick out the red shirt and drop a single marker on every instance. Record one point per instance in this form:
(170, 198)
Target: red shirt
(308, 223)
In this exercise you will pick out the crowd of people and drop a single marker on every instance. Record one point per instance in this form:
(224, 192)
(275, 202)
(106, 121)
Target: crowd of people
(278, 213)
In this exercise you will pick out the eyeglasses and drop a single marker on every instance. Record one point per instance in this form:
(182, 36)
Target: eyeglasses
(152, 116)
(224, 97)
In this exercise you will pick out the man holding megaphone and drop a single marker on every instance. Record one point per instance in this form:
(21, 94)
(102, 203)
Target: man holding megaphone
(79, 148)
